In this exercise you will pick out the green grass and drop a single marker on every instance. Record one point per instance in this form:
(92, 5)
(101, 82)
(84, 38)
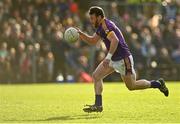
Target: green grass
(63, 103)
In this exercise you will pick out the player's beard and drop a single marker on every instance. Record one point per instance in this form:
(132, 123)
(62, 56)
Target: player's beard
(96, 24)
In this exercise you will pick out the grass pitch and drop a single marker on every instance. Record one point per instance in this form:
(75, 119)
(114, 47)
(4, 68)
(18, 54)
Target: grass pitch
(63, 103)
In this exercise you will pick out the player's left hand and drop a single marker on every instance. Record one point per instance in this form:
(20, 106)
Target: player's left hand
(106, 62)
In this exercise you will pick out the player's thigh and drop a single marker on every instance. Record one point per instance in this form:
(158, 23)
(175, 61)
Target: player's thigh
(129, 75)
(101, 72)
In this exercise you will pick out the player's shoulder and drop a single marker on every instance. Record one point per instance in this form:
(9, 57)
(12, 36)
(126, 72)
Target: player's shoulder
(108, 24)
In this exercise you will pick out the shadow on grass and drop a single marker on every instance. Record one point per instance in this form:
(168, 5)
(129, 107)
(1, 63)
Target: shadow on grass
(74, 117)
(62, 118)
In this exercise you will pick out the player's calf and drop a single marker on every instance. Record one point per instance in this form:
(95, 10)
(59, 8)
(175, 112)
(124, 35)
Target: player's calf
(132, 84)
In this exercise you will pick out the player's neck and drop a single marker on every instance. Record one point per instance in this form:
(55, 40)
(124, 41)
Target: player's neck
(101, 21)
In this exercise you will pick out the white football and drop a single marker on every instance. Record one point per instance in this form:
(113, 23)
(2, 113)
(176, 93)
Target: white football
(71, 35)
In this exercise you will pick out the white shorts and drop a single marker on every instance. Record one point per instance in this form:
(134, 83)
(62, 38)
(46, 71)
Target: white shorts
(124, 66)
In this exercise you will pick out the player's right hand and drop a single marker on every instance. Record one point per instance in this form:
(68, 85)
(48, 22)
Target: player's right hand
(78, 30)
(106, 63)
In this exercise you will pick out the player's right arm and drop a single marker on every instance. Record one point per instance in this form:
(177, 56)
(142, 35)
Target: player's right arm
(87, 38)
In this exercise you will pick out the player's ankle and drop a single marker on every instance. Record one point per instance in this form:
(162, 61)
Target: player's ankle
(98, 100)
(155, 84)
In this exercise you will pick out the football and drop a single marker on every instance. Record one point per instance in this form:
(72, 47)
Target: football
(71, 35)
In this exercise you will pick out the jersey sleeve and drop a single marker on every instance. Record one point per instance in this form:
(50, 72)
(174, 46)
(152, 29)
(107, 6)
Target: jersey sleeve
(109, 27)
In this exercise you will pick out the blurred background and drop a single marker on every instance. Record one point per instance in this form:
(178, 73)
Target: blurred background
(32, 48)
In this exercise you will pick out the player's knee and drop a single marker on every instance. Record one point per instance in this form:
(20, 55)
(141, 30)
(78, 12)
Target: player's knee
(131, 88)
(95, 76)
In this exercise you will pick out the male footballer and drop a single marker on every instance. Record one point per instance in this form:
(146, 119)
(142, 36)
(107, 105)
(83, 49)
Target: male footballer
(118, 58)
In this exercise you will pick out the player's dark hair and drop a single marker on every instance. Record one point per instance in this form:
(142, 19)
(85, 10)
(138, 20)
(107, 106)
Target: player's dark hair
(98, 11)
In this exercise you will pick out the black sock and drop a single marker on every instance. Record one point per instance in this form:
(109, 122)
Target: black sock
(155, 84)
(98, 100)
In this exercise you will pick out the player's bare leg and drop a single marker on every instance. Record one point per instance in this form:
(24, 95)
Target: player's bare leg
(98, 75)
(132, 84)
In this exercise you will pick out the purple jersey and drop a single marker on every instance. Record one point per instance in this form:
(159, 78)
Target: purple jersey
(122, 50)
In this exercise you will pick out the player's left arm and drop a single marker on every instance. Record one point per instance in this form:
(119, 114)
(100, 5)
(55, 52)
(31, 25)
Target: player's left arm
(113, 46)
(114, 42)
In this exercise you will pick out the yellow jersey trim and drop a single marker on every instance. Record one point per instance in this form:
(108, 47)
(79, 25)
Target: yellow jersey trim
(109, 33)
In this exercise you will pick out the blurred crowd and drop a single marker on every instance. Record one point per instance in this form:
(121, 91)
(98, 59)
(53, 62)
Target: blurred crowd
(153, 34)
(32, 48)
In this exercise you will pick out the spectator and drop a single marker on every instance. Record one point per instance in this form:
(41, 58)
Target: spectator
(31, 37)
(59, 47)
